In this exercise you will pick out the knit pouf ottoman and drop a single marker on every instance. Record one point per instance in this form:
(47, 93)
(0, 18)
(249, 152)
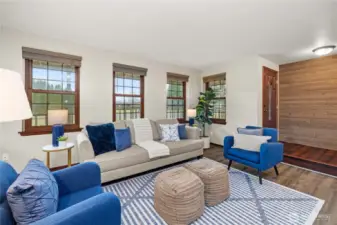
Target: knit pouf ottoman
(179, 196)
(214, 175)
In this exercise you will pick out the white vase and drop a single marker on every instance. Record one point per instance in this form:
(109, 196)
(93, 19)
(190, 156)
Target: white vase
(207, 142)
(62, 144)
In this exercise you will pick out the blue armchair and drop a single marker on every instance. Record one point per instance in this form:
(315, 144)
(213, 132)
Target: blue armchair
(270, 154)
(81, 197)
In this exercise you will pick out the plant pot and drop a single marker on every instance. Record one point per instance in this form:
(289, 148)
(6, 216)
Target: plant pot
(62, 144)
(207, 142)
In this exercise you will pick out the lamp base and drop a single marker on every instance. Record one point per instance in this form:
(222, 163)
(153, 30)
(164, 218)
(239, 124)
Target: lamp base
(191, 121)
(57, 131)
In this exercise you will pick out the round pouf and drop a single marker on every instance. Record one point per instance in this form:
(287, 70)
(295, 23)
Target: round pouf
(214, 175)
(179, 196)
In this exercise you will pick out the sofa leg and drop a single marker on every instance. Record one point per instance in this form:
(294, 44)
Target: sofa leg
(229, 164)
(260, 176)
(276, 171)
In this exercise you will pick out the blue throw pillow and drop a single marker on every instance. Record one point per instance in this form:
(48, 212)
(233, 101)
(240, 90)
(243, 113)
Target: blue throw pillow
(102, 137)
(182, 131)
(257, 131)
(123, 139)
(34, 194)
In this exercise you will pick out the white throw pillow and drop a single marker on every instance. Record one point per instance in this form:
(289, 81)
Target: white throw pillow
(249, 142)
(169, 132)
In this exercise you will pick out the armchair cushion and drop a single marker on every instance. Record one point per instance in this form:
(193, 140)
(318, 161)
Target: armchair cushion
(246, 155)
(73, 198)
(34, 194)
(249, 142)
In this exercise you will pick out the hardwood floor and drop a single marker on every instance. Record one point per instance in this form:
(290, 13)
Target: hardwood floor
(315, 184)
(318, 159)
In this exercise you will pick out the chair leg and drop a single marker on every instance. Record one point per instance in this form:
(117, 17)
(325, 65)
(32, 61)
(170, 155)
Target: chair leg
(260, 176)
(229, 164)
(276, 171)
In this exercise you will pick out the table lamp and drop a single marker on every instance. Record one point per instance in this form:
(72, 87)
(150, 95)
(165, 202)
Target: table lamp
(57, 118)
(14, 103)
(191, 113)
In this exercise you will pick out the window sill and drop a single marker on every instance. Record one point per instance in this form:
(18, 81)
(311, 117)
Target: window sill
(219, 121)
(41, 132)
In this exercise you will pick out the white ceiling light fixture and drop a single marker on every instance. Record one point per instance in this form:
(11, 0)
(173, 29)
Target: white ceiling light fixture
(324, 50)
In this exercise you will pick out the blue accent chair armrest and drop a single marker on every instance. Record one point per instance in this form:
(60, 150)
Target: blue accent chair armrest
(103, 209)
(77, 178)
(270, 154)
(228, 144)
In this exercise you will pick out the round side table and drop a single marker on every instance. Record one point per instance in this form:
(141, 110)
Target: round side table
(50, 148)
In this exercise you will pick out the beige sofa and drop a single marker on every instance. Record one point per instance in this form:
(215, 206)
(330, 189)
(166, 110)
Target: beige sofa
(115, 165)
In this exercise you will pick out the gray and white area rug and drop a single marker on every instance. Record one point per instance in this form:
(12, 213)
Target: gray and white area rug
(249, 203)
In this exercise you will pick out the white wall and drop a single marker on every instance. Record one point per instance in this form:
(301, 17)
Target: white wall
(95, 94)
(244, 94)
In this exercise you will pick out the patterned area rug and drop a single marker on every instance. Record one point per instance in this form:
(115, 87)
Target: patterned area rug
(249, 202)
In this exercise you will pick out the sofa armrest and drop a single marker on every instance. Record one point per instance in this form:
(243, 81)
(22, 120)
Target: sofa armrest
(85, 149)
(99, 210)
(228, 143)
(193, 132)
(271, 154)
(79, 177)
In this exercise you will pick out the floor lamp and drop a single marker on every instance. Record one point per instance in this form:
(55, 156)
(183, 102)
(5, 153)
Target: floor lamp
(14, 104)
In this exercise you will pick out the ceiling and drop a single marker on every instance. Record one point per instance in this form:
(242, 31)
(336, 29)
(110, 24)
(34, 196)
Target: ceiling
(191, 33)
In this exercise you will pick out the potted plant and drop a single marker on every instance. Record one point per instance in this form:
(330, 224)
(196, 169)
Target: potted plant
(205, 113)
(62, 141)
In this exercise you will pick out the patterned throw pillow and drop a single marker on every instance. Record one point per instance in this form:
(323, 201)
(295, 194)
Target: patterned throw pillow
(34, 194)
(169, 132)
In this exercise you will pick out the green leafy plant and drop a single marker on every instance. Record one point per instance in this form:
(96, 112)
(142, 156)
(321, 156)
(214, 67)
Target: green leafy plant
(62, 138)
(205, 109)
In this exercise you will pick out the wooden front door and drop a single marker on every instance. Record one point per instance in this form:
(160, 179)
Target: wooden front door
(269, 104)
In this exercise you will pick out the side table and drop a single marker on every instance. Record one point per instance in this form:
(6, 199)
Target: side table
(50, 148)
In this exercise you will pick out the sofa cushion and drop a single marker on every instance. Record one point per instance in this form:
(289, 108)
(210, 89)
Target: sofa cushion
(169, 132)
(34, 194)
(155, 132)
(164, 121)
(129, 124)
(117, 125)
(102, 137)
(182, 131)
(246, 155)
(123, 139)
(116, 160)
(184, 146)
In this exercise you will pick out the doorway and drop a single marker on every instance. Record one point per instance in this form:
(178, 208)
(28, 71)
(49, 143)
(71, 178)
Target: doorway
(269, 93)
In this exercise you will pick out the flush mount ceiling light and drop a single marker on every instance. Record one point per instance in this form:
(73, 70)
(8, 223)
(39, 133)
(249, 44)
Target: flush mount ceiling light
(324, 50)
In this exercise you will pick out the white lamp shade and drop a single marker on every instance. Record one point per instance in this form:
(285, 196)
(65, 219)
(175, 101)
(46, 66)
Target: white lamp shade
(14, 104)
(59, 116)
(191, 112)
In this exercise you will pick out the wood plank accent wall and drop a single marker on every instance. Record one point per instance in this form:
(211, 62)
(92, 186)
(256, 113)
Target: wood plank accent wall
(308, 102)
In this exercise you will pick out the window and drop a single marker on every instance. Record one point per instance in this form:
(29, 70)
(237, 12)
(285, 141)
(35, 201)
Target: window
(218, 84)
(52, 82)
(176, 97)
(128, 92)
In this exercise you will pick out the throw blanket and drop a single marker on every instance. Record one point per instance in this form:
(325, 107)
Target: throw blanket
(144, 139)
